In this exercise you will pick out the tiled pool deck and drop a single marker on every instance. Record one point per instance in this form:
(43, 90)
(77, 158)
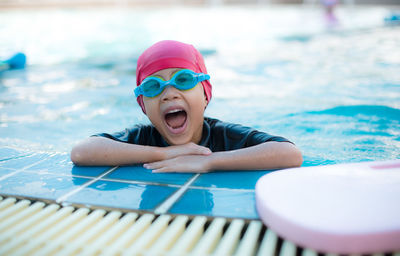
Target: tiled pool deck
(53, 177)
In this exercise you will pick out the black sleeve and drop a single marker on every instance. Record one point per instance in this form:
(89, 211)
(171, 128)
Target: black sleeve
(229, 136)
(134, 135)
(139, 134)
(248, 136)
(256, 137)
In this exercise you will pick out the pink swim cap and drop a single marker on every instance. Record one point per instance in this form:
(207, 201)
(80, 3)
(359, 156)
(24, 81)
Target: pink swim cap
(170, 54)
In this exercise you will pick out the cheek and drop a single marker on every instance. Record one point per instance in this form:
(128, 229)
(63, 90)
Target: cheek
(199, 96)
(199, 103)
(151, 109)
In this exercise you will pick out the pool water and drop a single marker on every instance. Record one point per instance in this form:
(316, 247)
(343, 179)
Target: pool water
(333, 90)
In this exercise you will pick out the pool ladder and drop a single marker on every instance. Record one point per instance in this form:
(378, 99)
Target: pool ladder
(30, 227)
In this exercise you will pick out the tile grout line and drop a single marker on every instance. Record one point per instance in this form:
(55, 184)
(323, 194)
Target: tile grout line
(14, 157)
(137, 182)
(167, 204)
(85, 185)
(24, 168)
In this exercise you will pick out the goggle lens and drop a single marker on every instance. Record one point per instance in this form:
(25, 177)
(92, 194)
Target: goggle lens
(151, 87)
(184, 79)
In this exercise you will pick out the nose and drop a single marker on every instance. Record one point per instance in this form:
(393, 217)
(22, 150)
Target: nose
(170, 93)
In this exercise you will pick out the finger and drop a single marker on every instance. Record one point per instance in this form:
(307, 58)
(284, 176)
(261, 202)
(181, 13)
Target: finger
(166, 169)
(154, 165)
(169, 170)
(200, 150)
(205, 151)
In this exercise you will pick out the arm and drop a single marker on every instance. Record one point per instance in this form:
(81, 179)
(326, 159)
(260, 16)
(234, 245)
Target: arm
(104, 151)
(265, 156)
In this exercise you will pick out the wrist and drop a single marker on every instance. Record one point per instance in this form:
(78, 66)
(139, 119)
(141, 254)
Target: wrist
(213, 162)
(160, 153)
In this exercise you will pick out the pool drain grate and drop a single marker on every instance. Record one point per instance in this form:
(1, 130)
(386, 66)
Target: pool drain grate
(36, 228)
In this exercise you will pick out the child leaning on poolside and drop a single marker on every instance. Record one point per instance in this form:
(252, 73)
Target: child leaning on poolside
(173, 91)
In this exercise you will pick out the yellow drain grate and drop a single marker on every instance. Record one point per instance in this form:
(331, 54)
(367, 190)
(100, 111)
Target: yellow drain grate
(37, 228)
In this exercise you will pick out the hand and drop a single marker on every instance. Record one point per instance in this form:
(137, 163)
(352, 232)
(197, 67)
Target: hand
(186, 163)
(186, 149)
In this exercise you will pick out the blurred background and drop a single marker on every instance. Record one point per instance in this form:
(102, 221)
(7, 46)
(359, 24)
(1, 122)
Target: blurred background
(178, 2)
(325, 74)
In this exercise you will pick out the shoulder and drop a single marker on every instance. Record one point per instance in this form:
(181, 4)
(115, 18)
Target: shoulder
(137, 129)
(218, 125)
(237, 132)
(134, 134)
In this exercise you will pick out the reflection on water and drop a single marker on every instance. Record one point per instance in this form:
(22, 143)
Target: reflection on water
(335, 93)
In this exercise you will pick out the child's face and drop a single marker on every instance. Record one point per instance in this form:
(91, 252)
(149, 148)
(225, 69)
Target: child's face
(177, 115)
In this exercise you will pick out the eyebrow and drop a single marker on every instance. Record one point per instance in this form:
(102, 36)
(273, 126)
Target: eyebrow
(162, 78)
(174, 71)
(170, 73)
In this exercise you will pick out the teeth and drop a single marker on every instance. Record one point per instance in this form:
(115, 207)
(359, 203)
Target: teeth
(174, 111)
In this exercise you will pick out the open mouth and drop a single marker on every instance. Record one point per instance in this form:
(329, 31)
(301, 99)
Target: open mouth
(176, 120)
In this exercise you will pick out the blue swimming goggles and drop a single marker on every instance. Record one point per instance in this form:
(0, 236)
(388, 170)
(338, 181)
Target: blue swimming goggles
(184, 79)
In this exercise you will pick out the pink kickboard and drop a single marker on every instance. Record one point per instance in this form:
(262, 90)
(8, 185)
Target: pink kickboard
(344, 208)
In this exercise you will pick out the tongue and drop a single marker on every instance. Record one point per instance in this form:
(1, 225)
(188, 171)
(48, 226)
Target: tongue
(176, 120)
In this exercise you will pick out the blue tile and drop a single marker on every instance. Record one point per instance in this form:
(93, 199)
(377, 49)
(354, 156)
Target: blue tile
(9, 153)
(138, 173)
(23, 162)
(53, 162)
(232, 179)
(122, 195)
(217, 202)
(46, 186)
(91, 171)
(5, 171)
(61, 164)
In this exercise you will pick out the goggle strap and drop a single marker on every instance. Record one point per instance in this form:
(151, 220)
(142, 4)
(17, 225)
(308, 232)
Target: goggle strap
(199, 77)
(138, 91)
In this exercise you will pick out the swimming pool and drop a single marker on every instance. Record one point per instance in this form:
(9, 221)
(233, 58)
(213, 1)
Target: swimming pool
(334, 91)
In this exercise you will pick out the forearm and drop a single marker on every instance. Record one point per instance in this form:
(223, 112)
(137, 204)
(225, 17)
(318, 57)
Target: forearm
(266, 156)
(103, 151)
